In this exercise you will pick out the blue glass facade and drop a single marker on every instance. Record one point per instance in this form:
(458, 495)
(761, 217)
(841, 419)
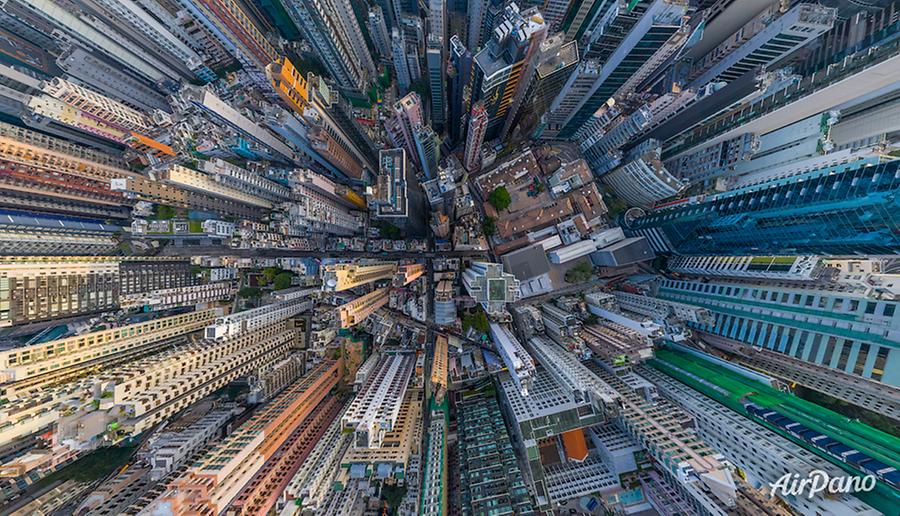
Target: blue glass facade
(840, 210)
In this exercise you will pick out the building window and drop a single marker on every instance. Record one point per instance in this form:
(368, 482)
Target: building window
(861, 358)
(845, 355)
(880, 361)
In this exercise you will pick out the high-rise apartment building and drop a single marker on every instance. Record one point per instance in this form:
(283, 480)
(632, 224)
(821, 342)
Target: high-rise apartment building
(237, 177)
(359, 309)
(758, 451)
(166, 39)
(428, 149)
(88, 69)
(408, 116)
(204, 184)
(333, 113)
(485, 446)
(223, 474)
(321, 206)
(97, 105)
(289, 84)
(343, 276)
(104, 359)
(408, 273)
(24, 233)
(48, 174)
(379, 32)
(39, 289)
(333, 32)
(389, 197)
(478, 121)
(107, 37)
(240, 33)
(376, 407)
(398, 57)
(44, 288)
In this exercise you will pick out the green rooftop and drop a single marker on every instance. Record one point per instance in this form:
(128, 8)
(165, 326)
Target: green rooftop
(733, 390)
(496, 289)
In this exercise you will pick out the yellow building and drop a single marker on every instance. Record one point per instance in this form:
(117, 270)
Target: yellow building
(343, 276)
(356, 311)
(408, 273)
(23, 363)
(289, 84)
(439, 366)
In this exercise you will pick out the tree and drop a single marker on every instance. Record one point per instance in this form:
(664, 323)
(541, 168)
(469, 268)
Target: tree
(389, 231)
(164, 212)
(477, 319)
(269, 273)
(250, 293)
(282, 281)
(500, 198)
(489, 226)
(579, 273)
(614, 204)
(481, 321)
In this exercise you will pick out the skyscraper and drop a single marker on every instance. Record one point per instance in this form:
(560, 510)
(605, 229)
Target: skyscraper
(167, 38)
(408, 116)
(643, 181)
(398, 57)
(390, 11)
(343, 276)
(622, 53)
(460, 76)
(428, 149)
(356, 311)
(434, 58)
(567, 99)
(379, 32)
(777, 316)
(478, 121)
(505, 66)
(332, 30)
(842, 209)
(765, 39)
(553, 65)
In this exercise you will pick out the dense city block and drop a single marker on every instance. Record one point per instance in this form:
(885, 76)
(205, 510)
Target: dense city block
(449, 257)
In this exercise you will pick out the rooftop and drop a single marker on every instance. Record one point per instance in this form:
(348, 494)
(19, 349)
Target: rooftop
(526, 263)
